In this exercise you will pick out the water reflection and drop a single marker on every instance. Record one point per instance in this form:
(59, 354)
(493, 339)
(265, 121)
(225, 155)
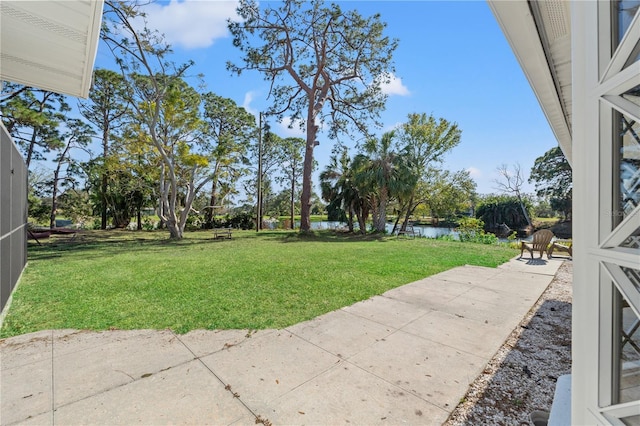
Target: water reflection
(423, 230)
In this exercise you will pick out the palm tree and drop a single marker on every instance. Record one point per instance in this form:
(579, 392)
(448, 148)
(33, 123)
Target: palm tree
(380, 174)
(338, 188)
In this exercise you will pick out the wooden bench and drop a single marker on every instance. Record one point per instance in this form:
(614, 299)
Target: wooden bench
(222, 233)
(409, 231)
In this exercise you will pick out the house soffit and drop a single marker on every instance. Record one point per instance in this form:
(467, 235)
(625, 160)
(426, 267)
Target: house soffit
(50, 44)
(539, 33)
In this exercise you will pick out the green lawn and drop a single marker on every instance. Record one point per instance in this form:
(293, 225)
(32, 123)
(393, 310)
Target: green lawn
(136, 280)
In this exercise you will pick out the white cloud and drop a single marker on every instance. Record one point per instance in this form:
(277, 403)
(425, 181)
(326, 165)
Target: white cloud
(291, 129)
(191, 24)
(474, 172)
(396, 126)
(394, 86)
(246, 104)
(282, 129)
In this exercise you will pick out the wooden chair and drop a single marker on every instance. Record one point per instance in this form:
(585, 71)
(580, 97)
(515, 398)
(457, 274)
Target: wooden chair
(540, 242)
(409, 231)
(561, 246)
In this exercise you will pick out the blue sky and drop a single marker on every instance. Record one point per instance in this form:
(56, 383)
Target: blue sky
(452, 61)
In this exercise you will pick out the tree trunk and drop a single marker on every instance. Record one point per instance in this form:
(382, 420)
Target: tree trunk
(524, 210)
(34, 135)
(362, 222)
(103, 178)
(54, 192)
(173, 222)
(175, 231)
(161, 199)
(305, 198)
(210, 216)
(381, 216)
(350, 218)
(434, 217)
(32, 145)
(293, 191)
(408, 214)
(54, 199)
(361, 215)
(259, 178)
(103, 201)
(210, 213)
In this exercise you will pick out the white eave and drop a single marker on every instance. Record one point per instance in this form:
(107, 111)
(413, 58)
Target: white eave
(50, 44)
(539, 33)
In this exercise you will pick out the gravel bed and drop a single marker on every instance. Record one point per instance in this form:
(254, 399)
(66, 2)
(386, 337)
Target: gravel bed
(521, 377)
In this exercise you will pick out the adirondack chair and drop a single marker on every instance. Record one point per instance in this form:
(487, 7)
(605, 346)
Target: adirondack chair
(540, 242)
(561, 246)
(409, 231)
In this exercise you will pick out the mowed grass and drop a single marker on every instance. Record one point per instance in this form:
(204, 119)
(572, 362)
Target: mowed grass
(141, 280)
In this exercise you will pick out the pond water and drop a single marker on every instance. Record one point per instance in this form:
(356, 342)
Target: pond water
(424, 230)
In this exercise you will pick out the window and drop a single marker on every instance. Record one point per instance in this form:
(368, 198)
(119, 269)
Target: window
(626, 348)
(624, 11)
(627, 147)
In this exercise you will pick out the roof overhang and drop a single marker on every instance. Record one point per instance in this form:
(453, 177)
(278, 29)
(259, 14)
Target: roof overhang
(539, 33)
(50, 44)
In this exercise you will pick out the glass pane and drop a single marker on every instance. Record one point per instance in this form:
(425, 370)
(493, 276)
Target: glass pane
(625, 11)
(627, 366)
(633, 241)
(631, 420)
(633, 275)
(634, 57)
(633, 95)
(628, 167)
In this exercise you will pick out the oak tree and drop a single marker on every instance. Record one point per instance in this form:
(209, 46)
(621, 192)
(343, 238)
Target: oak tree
(165, 107)
(553, 179)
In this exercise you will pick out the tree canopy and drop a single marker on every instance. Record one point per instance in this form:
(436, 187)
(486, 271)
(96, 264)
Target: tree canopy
(423, 141)
(163, 139)
(315, 56)
(33, 118)
(551, 174)
(106, 109)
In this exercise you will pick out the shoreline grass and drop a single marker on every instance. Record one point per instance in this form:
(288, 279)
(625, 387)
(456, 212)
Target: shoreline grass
(141, 280)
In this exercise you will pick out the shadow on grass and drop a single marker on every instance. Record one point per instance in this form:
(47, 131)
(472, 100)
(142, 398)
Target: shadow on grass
(113, 241)
(330, 236)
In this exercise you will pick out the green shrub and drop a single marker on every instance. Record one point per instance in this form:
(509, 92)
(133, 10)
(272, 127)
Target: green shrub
(472, 230)
(194, 222)
(242, 220)
(497, 210)
(148, 224)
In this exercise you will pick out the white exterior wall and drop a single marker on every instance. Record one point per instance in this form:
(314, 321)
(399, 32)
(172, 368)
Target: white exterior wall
(606, 211)
(599, 78)
(585, 160)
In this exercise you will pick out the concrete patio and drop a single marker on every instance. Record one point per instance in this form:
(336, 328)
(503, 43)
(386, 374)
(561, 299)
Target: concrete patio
(407, 356)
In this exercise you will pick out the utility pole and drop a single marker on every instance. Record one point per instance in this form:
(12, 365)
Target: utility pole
(259, 189)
